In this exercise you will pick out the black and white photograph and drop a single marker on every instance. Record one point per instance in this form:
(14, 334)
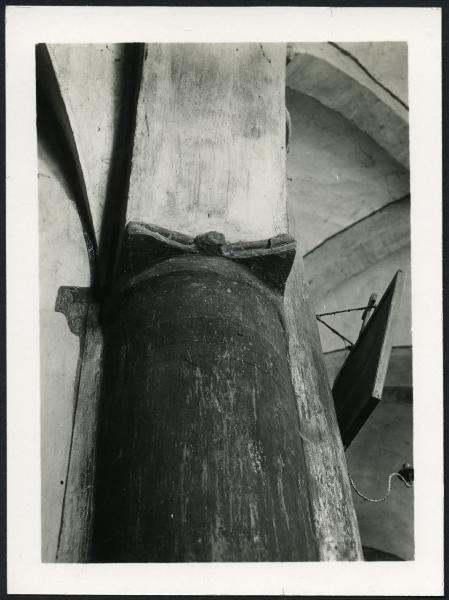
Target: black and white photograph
(227, 337)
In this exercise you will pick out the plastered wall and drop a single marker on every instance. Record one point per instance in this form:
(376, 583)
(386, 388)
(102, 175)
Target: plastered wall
(63, 261)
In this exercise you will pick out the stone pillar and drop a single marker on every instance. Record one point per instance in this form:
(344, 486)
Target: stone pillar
(199, 450)
(199, 457)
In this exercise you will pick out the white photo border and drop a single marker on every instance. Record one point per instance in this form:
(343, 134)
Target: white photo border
(26, 26)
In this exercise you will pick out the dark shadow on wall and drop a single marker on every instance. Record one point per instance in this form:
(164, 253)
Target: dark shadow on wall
(114, 215)
(373, 554)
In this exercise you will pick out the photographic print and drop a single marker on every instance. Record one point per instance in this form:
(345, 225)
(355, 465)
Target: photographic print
(230, 363)
(184, 387)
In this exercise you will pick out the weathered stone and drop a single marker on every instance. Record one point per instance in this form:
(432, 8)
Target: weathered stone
(199, 457)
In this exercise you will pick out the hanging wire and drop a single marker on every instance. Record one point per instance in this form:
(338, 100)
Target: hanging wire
(390, 477)
(370, 306)
(345, 310)
(335, 331)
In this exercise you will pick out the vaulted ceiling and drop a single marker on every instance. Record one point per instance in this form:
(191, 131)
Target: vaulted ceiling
(349, 191)
(348, 178)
